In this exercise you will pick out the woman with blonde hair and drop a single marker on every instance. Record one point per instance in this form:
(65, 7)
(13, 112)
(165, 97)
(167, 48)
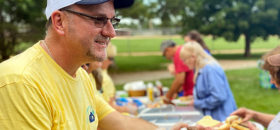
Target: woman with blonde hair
(212, 94)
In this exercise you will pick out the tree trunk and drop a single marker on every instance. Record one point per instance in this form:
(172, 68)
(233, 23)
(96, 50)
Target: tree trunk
(3, 51)
(4, 57)
(247, 46)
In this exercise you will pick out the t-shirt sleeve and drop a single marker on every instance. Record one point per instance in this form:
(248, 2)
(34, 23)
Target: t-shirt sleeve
(23, 107)
(102, 107)
(179, 65)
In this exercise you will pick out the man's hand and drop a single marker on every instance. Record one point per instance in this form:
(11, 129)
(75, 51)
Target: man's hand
(171, 69)
(132, 109)
(245, 113)
(167, 100)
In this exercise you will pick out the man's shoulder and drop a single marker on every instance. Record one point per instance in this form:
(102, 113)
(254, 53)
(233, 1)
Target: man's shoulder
(15, 68)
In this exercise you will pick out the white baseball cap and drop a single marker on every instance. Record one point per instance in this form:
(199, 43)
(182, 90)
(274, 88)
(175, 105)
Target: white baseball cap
(53, 5)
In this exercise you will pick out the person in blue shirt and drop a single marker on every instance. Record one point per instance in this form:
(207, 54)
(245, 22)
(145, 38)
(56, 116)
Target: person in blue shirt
(212, 94)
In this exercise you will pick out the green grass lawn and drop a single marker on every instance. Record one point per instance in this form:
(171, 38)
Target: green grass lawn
(152, 63)
(140, 63)
(244, 83)
(142, 44)
(151, 44)
(247, 92)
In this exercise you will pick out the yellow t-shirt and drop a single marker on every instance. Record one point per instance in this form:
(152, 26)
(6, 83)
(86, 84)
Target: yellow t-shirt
(108, 86)
(92, 79)
(36, 93)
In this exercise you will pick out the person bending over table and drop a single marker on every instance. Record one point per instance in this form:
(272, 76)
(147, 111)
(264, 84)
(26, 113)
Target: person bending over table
(183, 75)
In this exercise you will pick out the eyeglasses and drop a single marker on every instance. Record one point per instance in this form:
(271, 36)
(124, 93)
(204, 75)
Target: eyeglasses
(99, 21)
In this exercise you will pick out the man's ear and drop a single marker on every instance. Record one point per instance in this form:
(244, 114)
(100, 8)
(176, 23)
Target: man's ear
(58, 23)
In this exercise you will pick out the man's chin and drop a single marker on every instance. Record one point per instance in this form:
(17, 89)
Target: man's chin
(98, 58)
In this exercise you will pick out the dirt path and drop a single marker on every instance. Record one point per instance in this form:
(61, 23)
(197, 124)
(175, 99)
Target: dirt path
(238, 51)
(155, 75)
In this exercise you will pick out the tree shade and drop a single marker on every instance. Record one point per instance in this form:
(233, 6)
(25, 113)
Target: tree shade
(21, 21)
(232, 18)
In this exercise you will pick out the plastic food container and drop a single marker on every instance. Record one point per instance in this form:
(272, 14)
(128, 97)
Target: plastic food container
(136, 93)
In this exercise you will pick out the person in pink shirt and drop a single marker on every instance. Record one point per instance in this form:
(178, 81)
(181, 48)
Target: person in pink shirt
(183, 75)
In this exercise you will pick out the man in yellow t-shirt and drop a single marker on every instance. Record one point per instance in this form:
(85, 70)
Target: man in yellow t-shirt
(45, 87)
(43, 96)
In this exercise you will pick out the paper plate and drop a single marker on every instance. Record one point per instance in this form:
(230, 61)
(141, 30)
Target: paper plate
(178, 102)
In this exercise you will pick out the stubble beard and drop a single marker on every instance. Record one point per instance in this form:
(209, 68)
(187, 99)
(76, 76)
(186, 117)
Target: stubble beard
(96, 57)
(95, 52)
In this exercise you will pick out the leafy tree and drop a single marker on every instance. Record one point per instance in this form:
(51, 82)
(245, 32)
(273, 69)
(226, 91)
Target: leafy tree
(20, 21)
(140, 11)
(233, 18)
(170, 12)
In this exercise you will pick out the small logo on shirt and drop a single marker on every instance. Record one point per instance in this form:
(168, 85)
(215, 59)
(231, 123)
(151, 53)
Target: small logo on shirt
(90, 114)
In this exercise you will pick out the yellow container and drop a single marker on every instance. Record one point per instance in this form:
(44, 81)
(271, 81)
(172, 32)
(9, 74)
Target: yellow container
(136, 93)
(151, 94)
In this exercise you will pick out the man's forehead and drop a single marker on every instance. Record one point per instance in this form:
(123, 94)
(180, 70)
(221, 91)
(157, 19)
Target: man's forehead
(105, 9)
(54, 5)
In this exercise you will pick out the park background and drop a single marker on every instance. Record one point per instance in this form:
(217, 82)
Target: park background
(233, 30)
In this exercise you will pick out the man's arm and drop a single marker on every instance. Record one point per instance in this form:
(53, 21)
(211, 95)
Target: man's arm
(129, 108)
(117, 121)
(176, 84)
(248, 114)
(263, 118)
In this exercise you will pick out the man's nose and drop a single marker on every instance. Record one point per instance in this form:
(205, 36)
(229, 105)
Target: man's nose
(109, 30)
